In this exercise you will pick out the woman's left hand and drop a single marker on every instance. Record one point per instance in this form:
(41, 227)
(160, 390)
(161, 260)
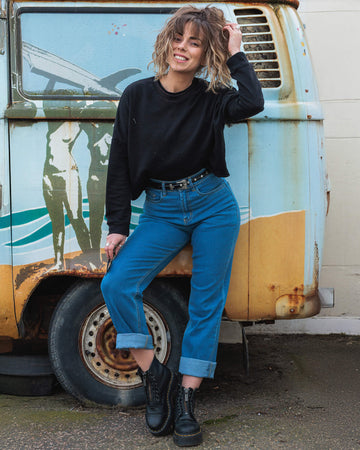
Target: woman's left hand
(235, 37)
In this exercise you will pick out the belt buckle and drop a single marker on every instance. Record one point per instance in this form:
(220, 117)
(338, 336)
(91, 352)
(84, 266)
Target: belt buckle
(182, 184)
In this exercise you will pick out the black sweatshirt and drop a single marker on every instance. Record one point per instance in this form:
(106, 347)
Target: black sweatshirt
(169, 136)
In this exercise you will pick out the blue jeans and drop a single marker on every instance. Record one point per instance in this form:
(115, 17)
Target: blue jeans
(205, 214)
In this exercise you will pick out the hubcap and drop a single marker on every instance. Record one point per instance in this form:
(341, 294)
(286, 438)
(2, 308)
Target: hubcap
(111, 366)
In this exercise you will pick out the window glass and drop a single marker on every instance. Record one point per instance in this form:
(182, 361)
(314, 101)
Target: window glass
(86, 54)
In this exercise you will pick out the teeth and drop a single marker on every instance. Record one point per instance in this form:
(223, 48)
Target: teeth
(180, 57)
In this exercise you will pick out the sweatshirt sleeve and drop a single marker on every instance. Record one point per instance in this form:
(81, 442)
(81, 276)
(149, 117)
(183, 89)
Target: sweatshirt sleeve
(118, 188)
(248, 99)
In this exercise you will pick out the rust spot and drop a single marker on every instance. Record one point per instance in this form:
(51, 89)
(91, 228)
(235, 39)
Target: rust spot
(309, 116)
(105, 345)
(272, 287)
(306, 90)
(316, 266)
(181, 265)
(290, 305)
(299, 289)
(295, 300)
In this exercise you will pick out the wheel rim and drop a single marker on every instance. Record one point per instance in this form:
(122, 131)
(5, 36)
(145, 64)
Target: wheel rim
(113, 367)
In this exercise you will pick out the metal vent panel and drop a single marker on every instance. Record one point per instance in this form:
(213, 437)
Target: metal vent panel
(259, 46)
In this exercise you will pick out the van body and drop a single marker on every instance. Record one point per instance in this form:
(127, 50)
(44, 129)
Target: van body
(63, 68)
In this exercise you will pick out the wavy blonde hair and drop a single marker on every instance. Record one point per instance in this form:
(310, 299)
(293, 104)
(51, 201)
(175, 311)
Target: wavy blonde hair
(207, 22)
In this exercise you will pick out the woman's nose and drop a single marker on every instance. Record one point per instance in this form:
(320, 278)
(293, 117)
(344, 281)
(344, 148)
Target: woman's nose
(182, 44)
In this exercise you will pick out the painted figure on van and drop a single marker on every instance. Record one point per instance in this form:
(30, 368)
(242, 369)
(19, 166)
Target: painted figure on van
(99, 140)
(168, 140)
(62, 188)
(61, 180)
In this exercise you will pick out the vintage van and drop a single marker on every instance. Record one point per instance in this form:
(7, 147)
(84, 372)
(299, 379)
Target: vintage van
(63, 68)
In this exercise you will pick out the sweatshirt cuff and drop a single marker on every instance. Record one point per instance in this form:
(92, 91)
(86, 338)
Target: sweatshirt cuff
(236, 61)
(119, 229)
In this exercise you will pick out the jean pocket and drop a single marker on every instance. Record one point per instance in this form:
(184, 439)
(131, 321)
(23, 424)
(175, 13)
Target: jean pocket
(209, 185)
(154, 195)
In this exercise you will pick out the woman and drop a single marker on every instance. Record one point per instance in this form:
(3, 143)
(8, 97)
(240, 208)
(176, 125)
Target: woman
(168, 139)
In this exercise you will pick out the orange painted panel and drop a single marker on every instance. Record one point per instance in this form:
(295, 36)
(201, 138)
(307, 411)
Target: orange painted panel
(7, 315)
(237, 304)
(277, 255)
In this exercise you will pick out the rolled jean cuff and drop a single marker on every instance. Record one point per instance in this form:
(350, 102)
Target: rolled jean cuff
(134, 340)
(197, 367)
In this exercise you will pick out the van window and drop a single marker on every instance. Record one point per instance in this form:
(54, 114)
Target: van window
(84, 54)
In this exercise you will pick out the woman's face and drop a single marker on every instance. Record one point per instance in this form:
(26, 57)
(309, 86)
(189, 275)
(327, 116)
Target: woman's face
(187, 51)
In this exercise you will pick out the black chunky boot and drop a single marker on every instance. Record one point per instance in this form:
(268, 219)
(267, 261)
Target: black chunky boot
(187, 432)
(160, 387)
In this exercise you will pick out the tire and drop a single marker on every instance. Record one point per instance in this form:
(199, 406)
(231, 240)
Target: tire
(26, 375)
(82, 343)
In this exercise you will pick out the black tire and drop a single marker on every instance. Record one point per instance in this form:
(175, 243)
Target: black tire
(82, 343)
(26, 375)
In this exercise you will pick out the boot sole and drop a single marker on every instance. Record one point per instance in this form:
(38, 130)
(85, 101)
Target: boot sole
(188, 440)
(170, 398)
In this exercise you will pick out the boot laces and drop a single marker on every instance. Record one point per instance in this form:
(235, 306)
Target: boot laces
(154, 389)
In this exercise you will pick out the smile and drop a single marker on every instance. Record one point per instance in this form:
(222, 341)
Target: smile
(180, 58)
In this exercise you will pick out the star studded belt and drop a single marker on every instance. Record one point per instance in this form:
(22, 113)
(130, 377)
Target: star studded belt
(178, 184)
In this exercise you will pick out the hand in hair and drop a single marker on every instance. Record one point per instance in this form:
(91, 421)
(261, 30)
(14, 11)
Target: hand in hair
(235, 37)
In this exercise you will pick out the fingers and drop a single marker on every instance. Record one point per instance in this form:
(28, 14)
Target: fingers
(117, 249)
(232, 28)
(112, 250)
(235, 37)
(232, 25)
(113, 244)
(109, 250)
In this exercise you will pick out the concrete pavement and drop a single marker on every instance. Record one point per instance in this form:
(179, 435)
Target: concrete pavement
(303, 392)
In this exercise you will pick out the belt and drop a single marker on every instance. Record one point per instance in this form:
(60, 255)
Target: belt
(179, 184)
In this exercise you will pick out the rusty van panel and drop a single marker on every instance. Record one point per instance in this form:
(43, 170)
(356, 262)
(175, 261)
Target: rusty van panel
(277, 253)
(7, 318)
(237, 303)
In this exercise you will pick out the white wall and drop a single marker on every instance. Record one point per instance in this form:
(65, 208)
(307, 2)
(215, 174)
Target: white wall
(333, 33)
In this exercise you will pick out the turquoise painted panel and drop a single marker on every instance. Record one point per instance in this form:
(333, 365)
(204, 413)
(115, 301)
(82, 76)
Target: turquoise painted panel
(5, 230)
(316, 213)
(236, 138)
(58, 199)
(5, 234)
(278, 167)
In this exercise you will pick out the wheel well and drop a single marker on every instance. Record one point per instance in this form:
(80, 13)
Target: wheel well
(35, 318)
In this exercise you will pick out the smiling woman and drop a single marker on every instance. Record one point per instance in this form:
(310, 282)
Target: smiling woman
(187, 53)
(168, 140)
(211, 33)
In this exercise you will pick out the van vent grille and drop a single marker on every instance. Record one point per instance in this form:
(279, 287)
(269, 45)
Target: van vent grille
(259, 46)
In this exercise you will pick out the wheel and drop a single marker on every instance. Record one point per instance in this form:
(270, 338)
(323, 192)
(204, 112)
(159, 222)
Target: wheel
(82, 343)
